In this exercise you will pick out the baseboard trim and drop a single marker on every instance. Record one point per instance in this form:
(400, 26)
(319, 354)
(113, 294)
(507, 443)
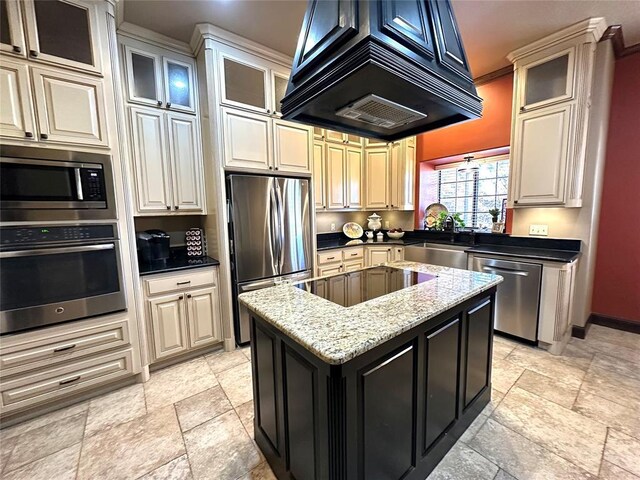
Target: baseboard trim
(612, 322)
(580, 332)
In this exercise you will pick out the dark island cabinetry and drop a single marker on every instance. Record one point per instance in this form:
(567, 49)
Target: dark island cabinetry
(390, 413)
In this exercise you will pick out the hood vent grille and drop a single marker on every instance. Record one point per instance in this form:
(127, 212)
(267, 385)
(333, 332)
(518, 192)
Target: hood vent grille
(379, 111)
(403, 60)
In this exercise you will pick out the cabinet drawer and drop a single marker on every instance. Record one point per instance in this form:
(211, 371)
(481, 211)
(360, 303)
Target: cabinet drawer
(332, 256)
(64, 347)
(199, 278)
(352, 253)
(65, 380)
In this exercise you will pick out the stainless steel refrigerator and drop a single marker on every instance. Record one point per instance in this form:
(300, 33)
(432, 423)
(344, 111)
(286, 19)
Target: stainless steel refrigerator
(270, 235)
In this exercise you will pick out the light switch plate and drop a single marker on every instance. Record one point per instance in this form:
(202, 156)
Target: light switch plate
(539, 230)
(333, 227)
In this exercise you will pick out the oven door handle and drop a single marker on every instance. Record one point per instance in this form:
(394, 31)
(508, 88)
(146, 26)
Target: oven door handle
(55, 251)
(78, 184)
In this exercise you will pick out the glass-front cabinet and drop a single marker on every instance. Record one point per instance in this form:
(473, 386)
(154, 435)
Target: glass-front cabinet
(279, 81)
(160, 80)
(546, 81)
(11, 30)
(244, 84)
(62, 33)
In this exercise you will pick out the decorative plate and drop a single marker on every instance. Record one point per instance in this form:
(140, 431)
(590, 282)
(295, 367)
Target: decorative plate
(431, 213)
(352, 230)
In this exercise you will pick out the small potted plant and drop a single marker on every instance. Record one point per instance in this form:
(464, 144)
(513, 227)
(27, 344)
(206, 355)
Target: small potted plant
(497, 226)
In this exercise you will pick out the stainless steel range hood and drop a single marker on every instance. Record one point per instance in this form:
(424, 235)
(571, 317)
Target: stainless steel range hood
(382, 69)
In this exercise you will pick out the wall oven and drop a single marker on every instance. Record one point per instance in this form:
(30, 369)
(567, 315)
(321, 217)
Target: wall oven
(53, 274)
(46, 185)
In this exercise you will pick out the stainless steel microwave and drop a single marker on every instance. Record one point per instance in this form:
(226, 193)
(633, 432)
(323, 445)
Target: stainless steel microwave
(39, 184)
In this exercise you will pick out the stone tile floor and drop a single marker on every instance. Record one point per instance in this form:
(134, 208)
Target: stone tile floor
(576, 416)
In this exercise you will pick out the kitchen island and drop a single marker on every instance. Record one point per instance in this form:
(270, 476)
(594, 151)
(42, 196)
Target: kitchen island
(372, 374)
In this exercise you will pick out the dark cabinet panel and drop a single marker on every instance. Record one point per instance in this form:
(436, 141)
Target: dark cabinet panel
(300, 388)
(265, 371)
(327, 26)
(387, 415)
(441, 350)
(478, 346)
(407, 23)
(450, 50)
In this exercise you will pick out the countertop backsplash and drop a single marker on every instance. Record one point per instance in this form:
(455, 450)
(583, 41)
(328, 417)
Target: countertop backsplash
(396, 218)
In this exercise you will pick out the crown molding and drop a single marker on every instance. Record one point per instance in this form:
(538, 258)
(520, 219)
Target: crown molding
(614, 33)
(488, 77)
(145, 35)
(206, 31)
(589, 30)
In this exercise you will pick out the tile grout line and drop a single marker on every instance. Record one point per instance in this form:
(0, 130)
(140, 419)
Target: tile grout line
(604, 448)
(84, 429)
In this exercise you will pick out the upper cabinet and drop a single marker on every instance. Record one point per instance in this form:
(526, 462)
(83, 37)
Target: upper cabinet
(60, 32)
(11, 28)
(162, 80)
(551, 110)
(165, 137)
(254, 136)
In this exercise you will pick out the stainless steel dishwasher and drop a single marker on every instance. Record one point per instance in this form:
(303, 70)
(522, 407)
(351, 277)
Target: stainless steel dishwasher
(518, 299)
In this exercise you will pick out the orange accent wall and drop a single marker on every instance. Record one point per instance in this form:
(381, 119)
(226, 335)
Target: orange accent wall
(487, 135)
(616, 288)
(491, 131)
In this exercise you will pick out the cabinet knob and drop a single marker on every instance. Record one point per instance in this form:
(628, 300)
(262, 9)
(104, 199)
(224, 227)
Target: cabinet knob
(270, 168)
(159, 103)
(177, 207)
(522, 109)
(33, 53)
(515, 201)
(387, 206)
(268, 111)
(180, 297)
(189, 295)
(277, 168)
(44, 136)
(168, 207)
(17, 49)
(28, 134)
(168, 104)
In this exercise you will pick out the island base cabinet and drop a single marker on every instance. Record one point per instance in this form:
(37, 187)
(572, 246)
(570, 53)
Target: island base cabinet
(390, 413)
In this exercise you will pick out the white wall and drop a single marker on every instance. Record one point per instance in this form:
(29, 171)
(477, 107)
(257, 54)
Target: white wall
(582, 223)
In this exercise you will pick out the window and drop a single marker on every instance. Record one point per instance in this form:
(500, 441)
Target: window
(473, 194)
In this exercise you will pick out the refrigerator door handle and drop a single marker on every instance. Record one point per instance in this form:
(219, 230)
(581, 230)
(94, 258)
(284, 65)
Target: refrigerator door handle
(280, 227)
(275, 227)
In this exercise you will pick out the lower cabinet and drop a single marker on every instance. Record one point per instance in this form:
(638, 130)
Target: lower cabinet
(331, 262)
(185, 319)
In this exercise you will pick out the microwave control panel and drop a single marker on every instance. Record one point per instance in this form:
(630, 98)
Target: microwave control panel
(56, 234)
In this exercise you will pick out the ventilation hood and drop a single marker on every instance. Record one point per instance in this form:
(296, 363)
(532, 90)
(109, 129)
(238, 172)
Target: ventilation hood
(381, 69)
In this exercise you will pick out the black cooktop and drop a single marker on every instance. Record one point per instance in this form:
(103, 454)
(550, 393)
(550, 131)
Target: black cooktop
(351, 288)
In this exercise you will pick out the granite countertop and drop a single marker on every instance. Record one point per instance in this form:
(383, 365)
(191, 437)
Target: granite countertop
(336, 334)
(178, 261)
(564, 256)
(345, 242)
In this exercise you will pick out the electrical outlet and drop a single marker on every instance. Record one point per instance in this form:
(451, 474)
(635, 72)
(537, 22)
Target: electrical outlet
(386, 225)
(539, 230)
(333, 227)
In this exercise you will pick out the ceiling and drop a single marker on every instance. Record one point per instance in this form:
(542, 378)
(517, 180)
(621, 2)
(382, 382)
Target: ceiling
(490, 28)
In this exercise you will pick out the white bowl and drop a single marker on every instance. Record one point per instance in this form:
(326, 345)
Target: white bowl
(395, 235)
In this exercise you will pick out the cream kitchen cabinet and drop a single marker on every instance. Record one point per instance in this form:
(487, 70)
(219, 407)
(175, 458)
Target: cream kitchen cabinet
(167, 161)
(259, 142)
(69, 107)
(158, 77)
(12, 31)
(183, 312)
(541, 167)
(319, 176)
(397, 254)
(376, 255)
(62, 33)
(402, 174)
(16, 115)
(377, 178)
(344, 170)
(51, 105)
(551, 115)
(333, 136)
